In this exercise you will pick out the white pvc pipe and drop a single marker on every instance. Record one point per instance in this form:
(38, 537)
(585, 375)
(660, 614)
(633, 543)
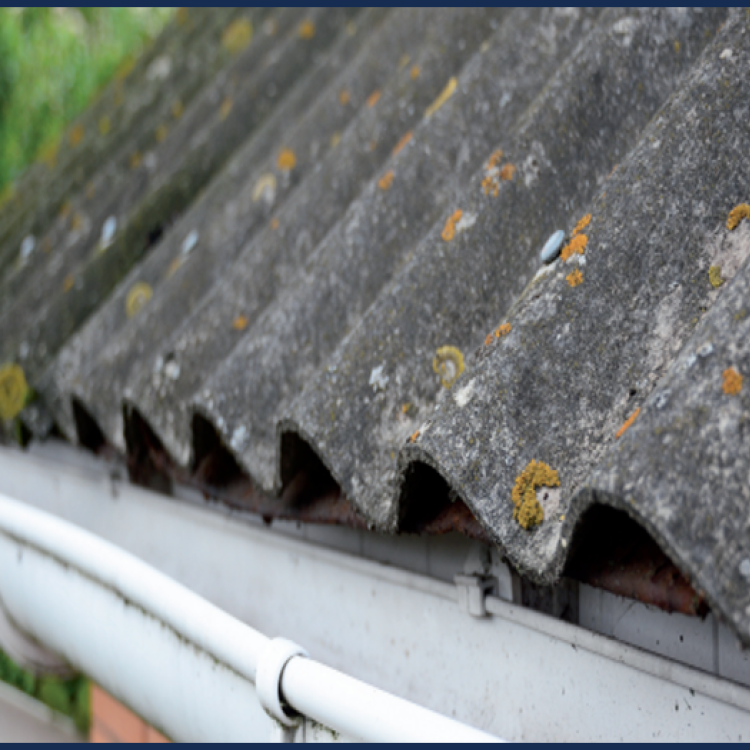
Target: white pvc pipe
(181, 663)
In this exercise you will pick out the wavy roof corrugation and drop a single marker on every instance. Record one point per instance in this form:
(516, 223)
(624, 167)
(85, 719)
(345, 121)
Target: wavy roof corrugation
(376, 230)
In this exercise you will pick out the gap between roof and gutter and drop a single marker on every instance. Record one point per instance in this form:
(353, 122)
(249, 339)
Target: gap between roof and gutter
(349, 609)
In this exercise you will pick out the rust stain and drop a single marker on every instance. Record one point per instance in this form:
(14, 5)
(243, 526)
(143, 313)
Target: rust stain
(449, 230)
(399, 147)
(732, 384)
(385, 182)
(373, 99)
(574, 278)
(629, 421)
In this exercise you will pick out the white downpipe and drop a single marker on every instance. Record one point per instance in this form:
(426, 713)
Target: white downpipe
(180, 662)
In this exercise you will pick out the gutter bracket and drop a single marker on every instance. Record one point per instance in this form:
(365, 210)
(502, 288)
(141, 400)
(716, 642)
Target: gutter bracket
(274, 657)
(472, 593)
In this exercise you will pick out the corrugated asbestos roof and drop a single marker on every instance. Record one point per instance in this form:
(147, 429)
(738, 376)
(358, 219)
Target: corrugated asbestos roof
(317, 233)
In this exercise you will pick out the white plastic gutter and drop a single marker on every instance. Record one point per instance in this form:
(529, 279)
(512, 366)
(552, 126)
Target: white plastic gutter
(190, 669)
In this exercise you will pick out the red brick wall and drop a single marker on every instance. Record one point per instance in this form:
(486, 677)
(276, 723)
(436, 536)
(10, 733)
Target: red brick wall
(112, 722)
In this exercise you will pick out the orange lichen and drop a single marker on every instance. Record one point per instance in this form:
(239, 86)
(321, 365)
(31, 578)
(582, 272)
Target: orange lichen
(286, 160)
(385, 182)
(237, 35)
(574, 278)
(344, 97)
(445, 94)
(737, 214)
(402, 143)
(274, 224)
(449, 230)
(627, 424)
(576, 246)
(413, 438)
(582, 224)
(714, 276)
(105, 125)
(414, 72)
(508, 172)
(240, 323)
(161, 133)
(373, 99)
(176, 109)
(732, 384)
(13, 391)
(526, 508)
(405, 408)
(135, 160)
(76, 135)
(503, 330)
(489, 339)
(490, 183)
(448, 363)
(68, 283)
(225, 109)
(306, 30)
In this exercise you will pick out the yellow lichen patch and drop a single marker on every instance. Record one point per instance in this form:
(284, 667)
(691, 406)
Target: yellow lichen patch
(448, 363)
(237, 35)
(737, 214)
(414, 72)
(449, 230)
(286, 160)
(574, 278)
(491, 183)
(385, 182)
(68, 283)
(240, 323)
(732, 384)
(225, 109)
(161, 133)
(402, 143)
(714, 276)
(274, 224)
(135, 160)
(138, 297)
(582, 224)
(176, 109)
(676, 46)
(526, 508)
(105, 125)
(489, 339)
(627, 423)
(306, 30)
(76, 135)
(445, 94)
(343, 97)
(576, 246)
(405, 408)
(508, 172)
(335, 139)
(266, 184)
(413, 438)
(373, 99)
(13, 391)
(503, 330)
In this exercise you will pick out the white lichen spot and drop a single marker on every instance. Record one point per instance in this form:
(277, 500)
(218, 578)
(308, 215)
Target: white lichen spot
(466, 221)
(149, 161)
(624, 30)
(705, 350)
(172, 370)
(108, 232)
(24, 349)
(159, 68)
(745, 568)
(190, 241)
(463, 396)
(378, 378)
(726, 54)
(27, 247)
(238, 439)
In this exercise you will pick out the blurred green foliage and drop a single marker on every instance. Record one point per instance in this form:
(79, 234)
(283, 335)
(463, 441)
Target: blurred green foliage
(52, 63)
(69, 697)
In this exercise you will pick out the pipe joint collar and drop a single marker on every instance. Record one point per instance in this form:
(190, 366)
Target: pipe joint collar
(274, 657)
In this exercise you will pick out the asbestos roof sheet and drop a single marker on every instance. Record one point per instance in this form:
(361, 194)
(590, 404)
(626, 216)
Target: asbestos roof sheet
(318, 233)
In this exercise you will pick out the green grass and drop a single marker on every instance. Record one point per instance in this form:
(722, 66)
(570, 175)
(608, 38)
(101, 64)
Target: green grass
(52, 63)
